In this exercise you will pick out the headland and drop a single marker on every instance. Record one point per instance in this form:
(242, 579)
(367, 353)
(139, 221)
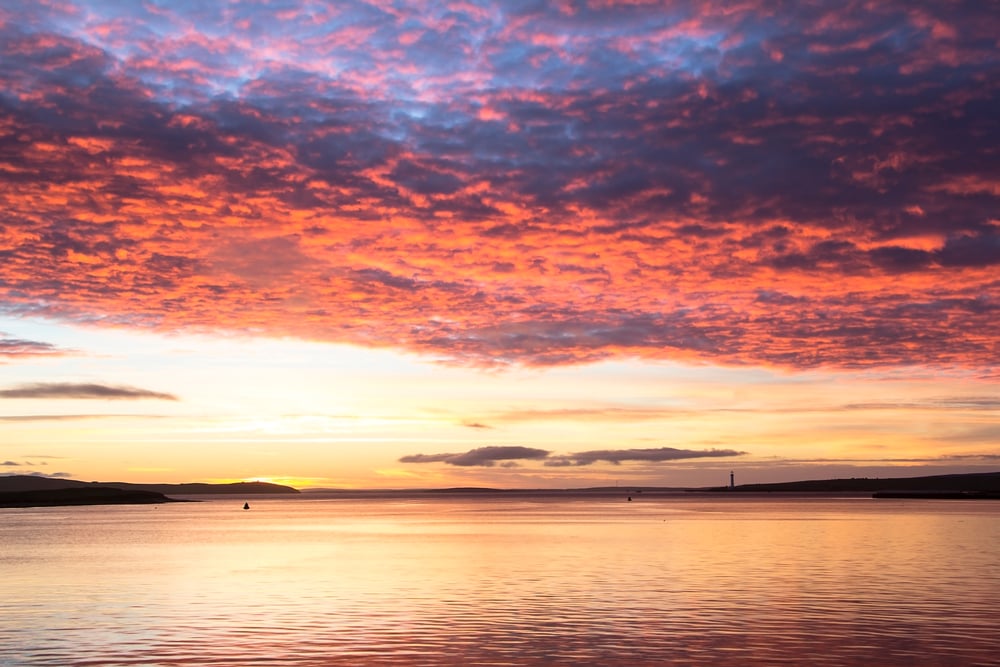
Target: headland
(35, 491)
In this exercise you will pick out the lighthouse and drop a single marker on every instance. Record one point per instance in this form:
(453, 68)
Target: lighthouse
(732, 480)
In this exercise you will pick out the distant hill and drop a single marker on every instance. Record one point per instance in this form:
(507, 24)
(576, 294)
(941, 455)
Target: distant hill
(198, 488)
(81, 495)
(970, 482)
(11, 483)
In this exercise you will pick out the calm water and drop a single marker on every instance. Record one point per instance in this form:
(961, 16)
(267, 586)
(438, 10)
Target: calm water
(503, 581)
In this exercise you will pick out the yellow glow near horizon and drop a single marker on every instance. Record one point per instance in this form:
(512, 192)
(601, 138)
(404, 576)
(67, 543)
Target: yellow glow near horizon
(316, 415)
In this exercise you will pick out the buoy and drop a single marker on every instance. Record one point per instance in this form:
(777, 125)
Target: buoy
(246, 506)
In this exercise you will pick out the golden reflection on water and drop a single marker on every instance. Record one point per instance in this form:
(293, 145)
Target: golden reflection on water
(514, 580)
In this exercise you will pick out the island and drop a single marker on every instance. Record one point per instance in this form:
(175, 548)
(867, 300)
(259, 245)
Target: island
(89, 495)
(970, 486)
(37, 491)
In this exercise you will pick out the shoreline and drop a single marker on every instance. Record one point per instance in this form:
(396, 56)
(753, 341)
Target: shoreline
(73, 497)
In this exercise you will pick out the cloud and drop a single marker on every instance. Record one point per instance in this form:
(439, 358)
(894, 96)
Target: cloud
(50, 390)
(868, 462)
(59, 475)
(65, 417)
(973, 403)
(653, 455)
(488, 456)
(15, 464)
(493, 185)
(481, 456)
(13, 348)
(611, 414)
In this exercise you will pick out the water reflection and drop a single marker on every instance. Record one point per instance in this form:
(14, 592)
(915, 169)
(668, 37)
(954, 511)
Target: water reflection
(492, 582)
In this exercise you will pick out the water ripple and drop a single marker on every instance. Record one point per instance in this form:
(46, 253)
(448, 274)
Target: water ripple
(487, 583)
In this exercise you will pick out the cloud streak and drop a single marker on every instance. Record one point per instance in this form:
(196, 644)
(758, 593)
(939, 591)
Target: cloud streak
(795, 185)
(481, 456)
(16, 348)
(63, 417)
(56, 475)
(69, 390)
(489, 456)
(652, 455)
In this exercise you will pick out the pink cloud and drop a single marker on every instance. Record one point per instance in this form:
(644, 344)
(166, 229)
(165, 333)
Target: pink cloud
(556, 187)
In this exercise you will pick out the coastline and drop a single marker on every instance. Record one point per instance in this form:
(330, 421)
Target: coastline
(32, 491)
(94, 495)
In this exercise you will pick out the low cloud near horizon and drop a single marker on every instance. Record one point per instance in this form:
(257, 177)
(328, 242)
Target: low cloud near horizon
(481, 456)
(35, 473)
(27, 464)
(488, 456)
(48, 390)
(654, 455)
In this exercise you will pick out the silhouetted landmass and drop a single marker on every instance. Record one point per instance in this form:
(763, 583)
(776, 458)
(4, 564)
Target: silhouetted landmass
(633, 489)
(85, 495)
(970, 485)
(236, 488)
(965, 486)
(940, 495)
(466, 489)
(10, 483)
(483, 491)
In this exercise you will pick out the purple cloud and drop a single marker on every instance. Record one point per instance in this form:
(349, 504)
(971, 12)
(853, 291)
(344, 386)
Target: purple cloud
(481, 456)
(59, 390)
(653, 455)
(556, 187)
(14, 348)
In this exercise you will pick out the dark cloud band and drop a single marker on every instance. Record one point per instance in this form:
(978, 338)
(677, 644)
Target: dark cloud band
(488, 456)
(654, 455)
(482, 456)
(58, 390)
(19, 347)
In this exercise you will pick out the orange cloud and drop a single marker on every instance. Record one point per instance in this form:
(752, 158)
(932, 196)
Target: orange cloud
(692, 198)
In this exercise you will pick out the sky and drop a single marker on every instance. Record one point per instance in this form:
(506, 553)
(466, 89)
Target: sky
(397, 244)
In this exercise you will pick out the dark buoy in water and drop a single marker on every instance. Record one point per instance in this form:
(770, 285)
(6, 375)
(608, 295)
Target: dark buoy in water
(246, 506)
(630, 498)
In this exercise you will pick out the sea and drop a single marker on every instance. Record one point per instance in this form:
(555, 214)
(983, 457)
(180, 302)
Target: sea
(504, 579)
